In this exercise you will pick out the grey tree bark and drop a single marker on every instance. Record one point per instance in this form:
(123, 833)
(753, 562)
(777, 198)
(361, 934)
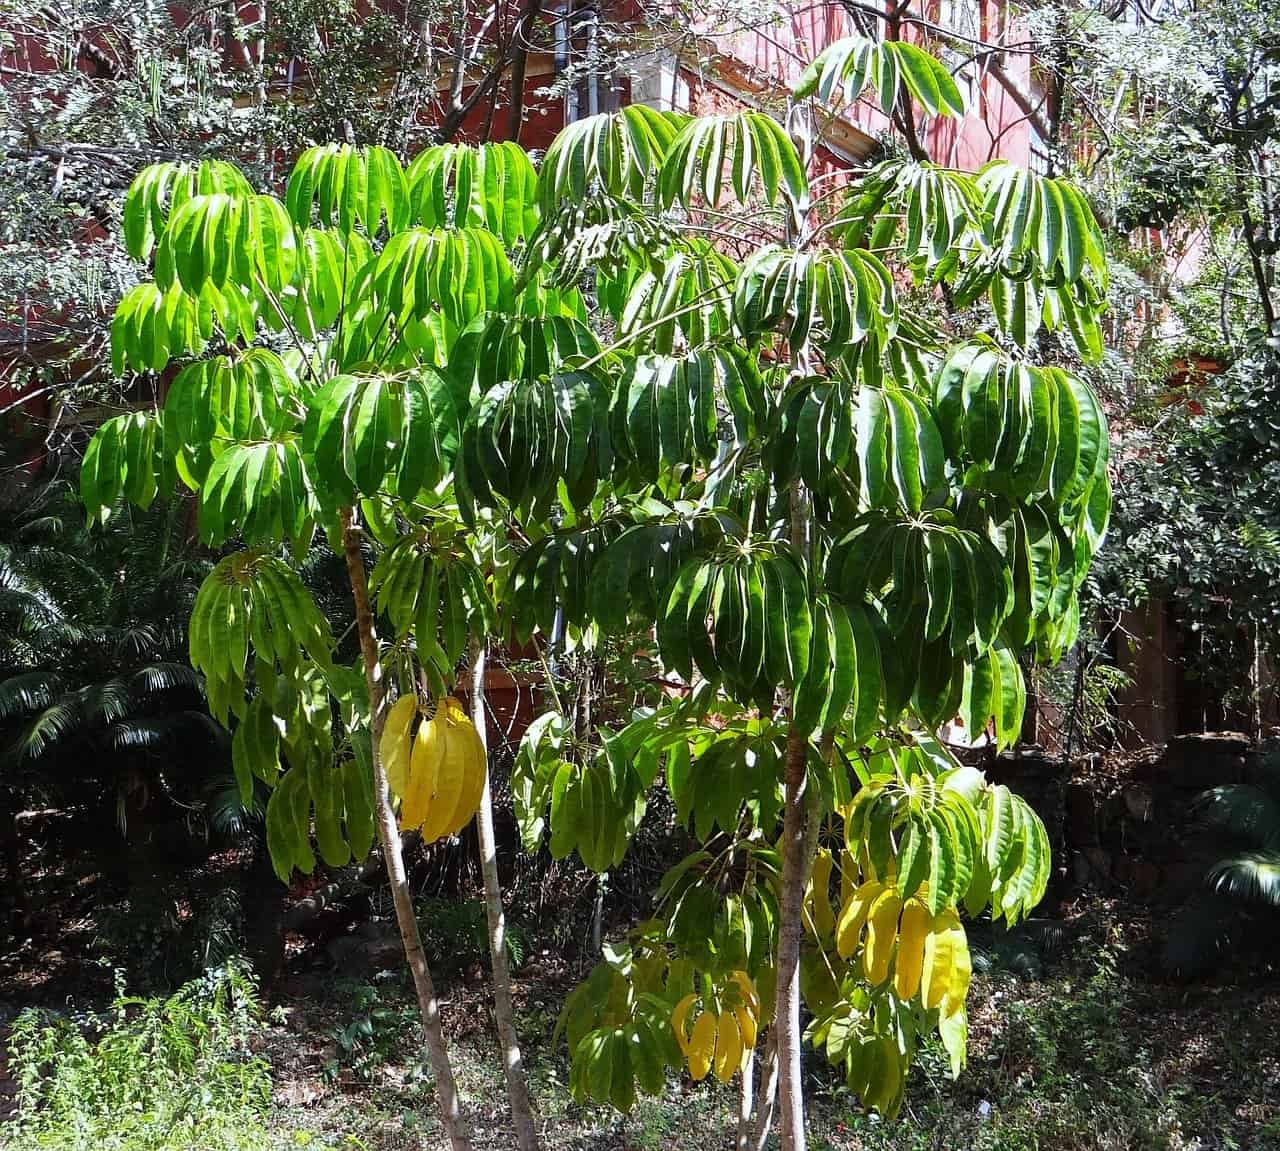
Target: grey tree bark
(768, 1094)
(503, 1008)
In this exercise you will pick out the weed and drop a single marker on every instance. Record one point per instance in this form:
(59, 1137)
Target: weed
(373, 1035)
(158, 1074)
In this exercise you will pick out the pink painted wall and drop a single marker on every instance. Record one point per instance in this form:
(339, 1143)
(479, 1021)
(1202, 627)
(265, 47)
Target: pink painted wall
(773, 57)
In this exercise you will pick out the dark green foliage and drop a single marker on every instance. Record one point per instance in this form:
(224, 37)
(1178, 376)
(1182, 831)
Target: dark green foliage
(1240, 907)
(96, 693)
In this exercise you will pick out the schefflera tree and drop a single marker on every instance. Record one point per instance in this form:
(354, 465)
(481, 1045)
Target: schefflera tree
(840, 524)
(849, 525)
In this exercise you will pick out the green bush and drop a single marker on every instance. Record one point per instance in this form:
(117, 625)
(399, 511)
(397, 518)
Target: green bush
(148, 1074)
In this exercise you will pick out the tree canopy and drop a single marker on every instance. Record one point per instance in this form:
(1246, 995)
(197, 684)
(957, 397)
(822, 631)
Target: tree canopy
(554, 405)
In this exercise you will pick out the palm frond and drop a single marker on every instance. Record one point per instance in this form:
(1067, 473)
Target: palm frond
(56, 723)
(166, 676)
(23, 694)
(1050, 935)
(137, 640)
(109, 702)
(140, 734)
(1250, 877)
(1241, 810)
(225, 811)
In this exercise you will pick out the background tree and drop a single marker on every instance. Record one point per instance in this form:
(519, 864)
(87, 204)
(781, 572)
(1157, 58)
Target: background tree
(1168, 113)
(96, 693)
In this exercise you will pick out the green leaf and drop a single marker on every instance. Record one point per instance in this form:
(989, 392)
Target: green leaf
(748, 143)
(847, 65)
(616, 151)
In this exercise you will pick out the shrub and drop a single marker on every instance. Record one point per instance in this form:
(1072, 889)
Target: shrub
(148, 1074)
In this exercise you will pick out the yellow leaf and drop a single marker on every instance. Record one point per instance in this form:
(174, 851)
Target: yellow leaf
(853, 915)
(945, 970)
(394, 747)
(750, 996)
(678, 1017)
(424, 767)
(823, 916)
(961, 970)
(702, 1045)
(728, 1047)
(911, 936)
(449, 779)
(476, 766)
(882, 931)
(848, 874)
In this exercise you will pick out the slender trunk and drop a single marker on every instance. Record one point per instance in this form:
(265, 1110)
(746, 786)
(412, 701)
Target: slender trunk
(797, 846)
(519, 60)
(260, 87)
(746, 1103)
(597, 917)
(451, 1116)
(503, 1010)
(786, 1018)
(768, 1096)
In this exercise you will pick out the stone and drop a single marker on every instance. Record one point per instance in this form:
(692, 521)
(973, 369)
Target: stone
(1196, 762)
(1139, 802)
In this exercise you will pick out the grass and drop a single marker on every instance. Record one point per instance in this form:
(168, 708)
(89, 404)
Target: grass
(1088, 1054)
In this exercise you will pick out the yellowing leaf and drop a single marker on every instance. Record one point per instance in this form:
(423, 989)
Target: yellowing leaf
(395, 747)
(728, 1047)
(911, 936)
(678, 1017)
(702, 1045)
(823, 915)
(750, 996)
(853, 915)
(449, 778)
(471, 747)
(945, 976)
(882, 931)
(424, 767)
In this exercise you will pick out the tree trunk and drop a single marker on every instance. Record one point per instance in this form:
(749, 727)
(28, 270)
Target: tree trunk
(786, 1017)
(597, 917)
(503, 1010)
(768, 1094)
(451, 1116)
(746, 1103)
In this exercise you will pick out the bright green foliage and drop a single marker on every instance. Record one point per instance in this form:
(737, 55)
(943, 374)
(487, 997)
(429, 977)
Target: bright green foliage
(146, 1074)
(890, 66)
(489, 187)
(832, 521)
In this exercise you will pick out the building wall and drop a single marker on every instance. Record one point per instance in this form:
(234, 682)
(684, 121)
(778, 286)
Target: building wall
(762, 63)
